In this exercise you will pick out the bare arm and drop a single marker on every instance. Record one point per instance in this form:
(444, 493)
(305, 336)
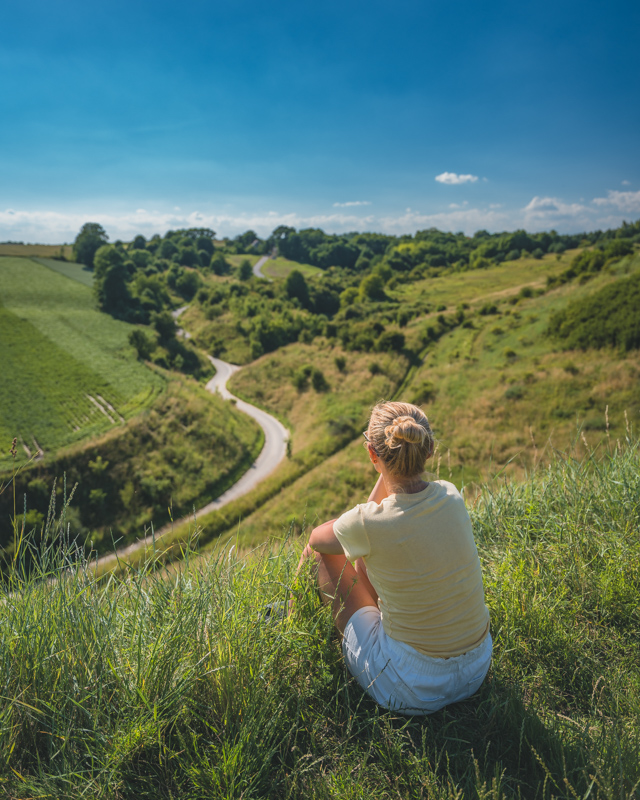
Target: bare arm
(324, 540)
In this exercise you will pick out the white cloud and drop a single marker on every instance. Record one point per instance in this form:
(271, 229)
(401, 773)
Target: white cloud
(352, 203)
(55, 226)
(544, 212)
(623, 201)
(541, 213)
(626, 183)
(451, 178)
(467, 220)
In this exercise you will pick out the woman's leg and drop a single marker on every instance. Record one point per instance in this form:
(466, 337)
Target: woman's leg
(340, 585)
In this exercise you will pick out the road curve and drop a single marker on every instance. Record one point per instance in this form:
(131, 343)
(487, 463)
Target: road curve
(273, 451)
(257, 268)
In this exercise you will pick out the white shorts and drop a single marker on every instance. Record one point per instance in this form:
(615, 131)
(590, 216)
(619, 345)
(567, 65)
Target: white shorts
(400, 678)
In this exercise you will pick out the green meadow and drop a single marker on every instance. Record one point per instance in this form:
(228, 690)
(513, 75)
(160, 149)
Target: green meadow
(68, 372)
(281, 267)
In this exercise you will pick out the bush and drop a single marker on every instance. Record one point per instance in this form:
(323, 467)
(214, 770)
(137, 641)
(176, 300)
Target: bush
(318, 381)
(514, 392)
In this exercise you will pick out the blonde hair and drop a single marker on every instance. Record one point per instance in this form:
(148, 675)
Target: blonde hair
(401, 436)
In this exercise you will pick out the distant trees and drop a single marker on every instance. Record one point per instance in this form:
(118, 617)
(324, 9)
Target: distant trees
(91, 238)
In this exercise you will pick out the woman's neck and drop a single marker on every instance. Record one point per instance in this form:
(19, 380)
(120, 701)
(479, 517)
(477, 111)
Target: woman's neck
(411, 485)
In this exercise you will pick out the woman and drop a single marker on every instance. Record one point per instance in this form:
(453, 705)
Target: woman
(411, 608)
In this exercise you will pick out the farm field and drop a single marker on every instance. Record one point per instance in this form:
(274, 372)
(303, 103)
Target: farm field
(44, 250)
(68, 372)
(77, 272)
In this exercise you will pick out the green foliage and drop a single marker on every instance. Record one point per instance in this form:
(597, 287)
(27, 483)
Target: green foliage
(245, 271)
(296, 286)
(306, 373)
(372, 287)
(607, 318)
(142, 343)
(91, 238)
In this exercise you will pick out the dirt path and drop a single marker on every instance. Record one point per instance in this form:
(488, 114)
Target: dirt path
(273, 451)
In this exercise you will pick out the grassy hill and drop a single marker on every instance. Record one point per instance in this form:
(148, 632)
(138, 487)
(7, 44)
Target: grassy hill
(501, 395)
(174, 686)
(68, 370)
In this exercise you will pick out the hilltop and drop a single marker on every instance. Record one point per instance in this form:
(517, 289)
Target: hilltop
(174, 685)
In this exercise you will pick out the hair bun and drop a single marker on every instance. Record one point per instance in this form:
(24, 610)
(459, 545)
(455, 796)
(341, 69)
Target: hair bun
(404, 429)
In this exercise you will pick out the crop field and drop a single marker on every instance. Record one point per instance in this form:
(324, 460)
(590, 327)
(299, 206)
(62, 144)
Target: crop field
(77, 272)
(68, 371)
(44, 250)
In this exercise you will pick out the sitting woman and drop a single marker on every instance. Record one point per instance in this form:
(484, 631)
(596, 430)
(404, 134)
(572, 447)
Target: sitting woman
(411, 610)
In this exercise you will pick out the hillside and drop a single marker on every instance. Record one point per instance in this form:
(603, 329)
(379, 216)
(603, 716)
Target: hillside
(175, 686)
(68, 372)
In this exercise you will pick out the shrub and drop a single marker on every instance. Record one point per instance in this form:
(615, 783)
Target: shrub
(318, 381)
(340, 362)
(514, 392)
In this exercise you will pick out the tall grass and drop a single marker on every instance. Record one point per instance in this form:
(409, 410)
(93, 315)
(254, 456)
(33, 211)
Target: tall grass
(174, 684)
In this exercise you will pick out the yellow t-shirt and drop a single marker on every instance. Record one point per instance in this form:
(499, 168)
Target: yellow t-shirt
(423, 562)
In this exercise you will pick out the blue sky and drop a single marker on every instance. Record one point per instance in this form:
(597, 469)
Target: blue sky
(343, 115)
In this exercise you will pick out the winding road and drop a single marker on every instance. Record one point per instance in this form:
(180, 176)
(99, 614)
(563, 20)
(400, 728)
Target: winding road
(273, 452)
(257, 268)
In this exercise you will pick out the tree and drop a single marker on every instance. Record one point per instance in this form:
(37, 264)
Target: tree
(372, 287)
(205, 243)
(296, 286)
(91, 238)
(143, 344)
(110, 282)
(139, 243)
(166, 326)
(219, 264)
(245, 271)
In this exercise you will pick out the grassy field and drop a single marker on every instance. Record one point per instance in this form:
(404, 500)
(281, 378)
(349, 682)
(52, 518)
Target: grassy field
(44, 250)
(174, 686)
(281, 267)
(496, 282)
(236, 260)
(78, 272)
(68, 370)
